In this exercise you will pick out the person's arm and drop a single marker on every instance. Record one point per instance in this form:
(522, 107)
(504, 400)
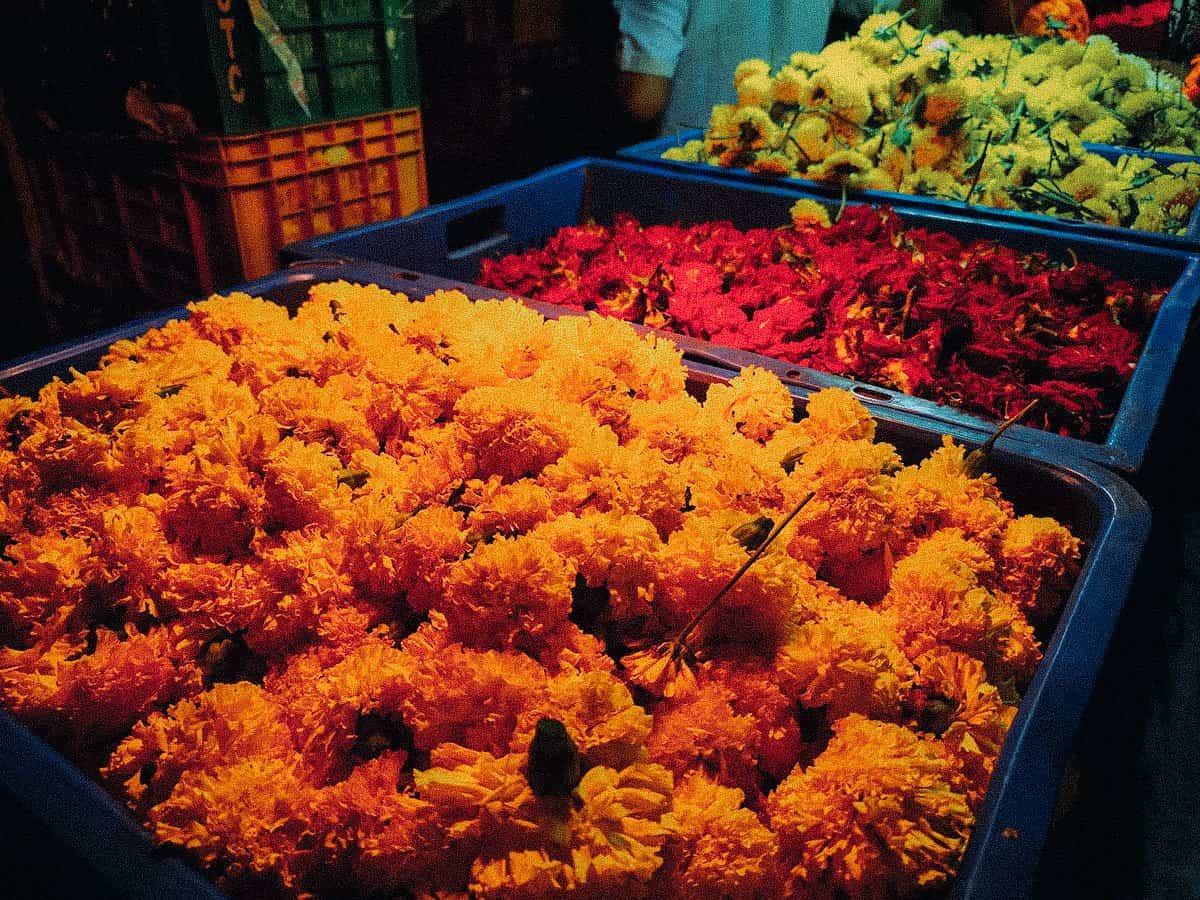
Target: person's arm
(651, 41)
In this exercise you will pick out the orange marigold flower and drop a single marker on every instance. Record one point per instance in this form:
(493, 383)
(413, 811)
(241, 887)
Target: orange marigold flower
(700, 558)
(718, 849)
(508, 593)
(1191, 84)
(937, 597)
(676, 427)
(257, 334)
(324, 707)
(597, 710)
(134, 546)
(77, 690)
(516, 432)
(851, 511)
(305, 570)
(448, 693)
(1038, 562)
(497, 507)
(662, 670)
(411, 558)
(323, 414)
(957, 703)
(612, 552)
(304, 485)
(754, 691)
(837, 415)
(386, 838)
(610, 846)
(849, 659)
(701, 729)
(227, 722)
(938, 494)
(880, 811)
(223, 813)
(598, 473)
(49, 563)
(645, 366)
(1067, 19)
(63, 451)
(755, 402)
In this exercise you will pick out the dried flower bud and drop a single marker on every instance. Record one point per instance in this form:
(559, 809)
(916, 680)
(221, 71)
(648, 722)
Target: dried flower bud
(553, 760)
(752, 534)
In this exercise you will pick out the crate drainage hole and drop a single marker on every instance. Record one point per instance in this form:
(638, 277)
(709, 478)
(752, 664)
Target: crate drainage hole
(324, 263)
(869, 394)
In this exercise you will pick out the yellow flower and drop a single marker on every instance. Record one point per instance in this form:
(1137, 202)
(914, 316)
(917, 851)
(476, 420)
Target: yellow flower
(839, 166)
(756, 91)
(814, 138)
(790, 85)
(750, 68)
(809, 212)
(754, 129)
(692, 151)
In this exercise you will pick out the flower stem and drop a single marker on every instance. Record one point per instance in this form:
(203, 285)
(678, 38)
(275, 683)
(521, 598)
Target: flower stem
(681, 641)
(841, 206)
(976, 460)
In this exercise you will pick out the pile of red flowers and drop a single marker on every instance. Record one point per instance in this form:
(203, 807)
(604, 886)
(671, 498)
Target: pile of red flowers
(1139, 28)
(982, 327)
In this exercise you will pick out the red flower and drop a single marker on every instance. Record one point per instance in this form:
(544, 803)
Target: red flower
(979, 326)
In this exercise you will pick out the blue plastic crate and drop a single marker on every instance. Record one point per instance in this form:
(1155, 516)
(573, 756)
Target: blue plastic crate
(652, 151)
(1005, 846)
(451, 239)
(1113, 151)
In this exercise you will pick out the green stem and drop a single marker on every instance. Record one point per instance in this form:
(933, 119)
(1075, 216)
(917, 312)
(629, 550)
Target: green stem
(841, 206)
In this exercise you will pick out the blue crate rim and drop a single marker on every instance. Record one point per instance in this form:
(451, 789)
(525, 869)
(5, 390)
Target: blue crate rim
(651, 152)
(1034, 750)
(1125, 446)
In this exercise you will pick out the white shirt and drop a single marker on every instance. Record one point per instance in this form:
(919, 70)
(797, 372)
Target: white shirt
(698, 43)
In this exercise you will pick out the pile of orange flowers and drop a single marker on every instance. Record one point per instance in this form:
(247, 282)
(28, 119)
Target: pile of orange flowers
(338, 603)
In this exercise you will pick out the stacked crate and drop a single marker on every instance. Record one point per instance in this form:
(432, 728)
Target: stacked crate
(308, 120)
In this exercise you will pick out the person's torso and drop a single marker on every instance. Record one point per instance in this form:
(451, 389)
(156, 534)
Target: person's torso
(719, 34)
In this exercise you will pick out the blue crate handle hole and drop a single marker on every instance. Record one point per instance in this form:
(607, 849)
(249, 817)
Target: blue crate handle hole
(477, 231)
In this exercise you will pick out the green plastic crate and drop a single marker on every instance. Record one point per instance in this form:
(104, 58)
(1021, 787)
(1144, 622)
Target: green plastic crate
(356, 57)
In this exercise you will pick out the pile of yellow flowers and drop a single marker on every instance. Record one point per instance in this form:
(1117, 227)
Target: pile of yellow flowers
(1105, 96)
(988, 120)
(358, 601)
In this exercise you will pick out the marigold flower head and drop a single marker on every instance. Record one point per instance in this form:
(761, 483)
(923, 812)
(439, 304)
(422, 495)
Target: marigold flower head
(1039, 559)
(508, 593)
(937, 596)
(955, 701)
(447, 693)
(755, 402)
(880, 810)
(597, 710)
(718, 848)
(848, 659)
(809, 212)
